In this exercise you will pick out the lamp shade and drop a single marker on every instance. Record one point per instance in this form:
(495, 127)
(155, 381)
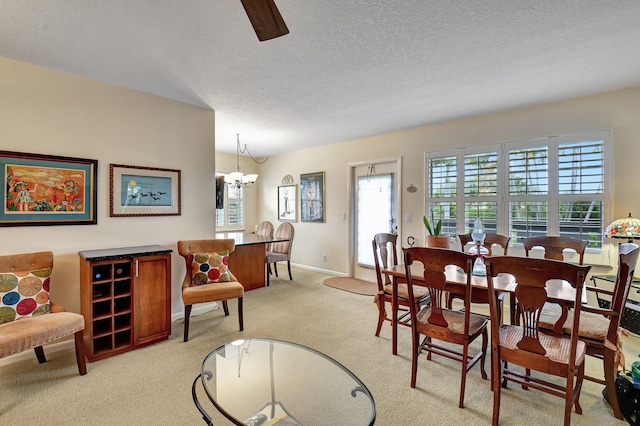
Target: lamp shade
(627, 227)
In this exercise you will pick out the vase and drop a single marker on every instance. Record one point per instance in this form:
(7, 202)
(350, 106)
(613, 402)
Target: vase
(440, 241)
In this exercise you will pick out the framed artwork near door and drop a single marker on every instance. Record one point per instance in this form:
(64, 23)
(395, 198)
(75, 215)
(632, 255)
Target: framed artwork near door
(312, 205)
(287, 203)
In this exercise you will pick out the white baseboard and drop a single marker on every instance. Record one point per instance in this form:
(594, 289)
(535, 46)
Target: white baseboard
(324, 271)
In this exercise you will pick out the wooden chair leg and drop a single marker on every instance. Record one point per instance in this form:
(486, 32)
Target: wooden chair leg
(240, 313)
(578, 388)
(225, 308)
(268, 273)
(40, 354)
(289, 268)
(610, 382)
(187, 313)
(382, 314)
(275, 268)
(80, 358)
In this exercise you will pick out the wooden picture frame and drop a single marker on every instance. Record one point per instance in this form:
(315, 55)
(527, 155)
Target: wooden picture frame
(143, 191)
(312, 204)
(287, 203)
(44, 189)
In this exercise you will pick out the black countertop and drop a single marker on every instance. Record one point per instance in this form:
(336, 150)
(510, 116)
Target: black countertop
(123, 252)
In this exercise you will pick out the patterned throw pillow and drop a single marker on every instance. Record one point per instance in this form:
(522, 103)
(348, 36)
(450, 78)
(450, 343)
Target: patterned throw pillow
(210, 267)
(24, 294)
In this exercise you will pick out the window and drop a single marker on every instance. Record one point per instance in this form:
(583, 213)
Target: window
(231, 216)
(549, 186)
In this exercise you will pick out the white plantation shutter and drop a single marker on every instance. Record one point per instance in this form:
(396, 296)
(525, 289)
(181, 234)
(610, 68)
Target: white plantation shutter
(442, 184)
(528, 191)
(231, 216)
(548, 186)
(581, 172)
(481, 190)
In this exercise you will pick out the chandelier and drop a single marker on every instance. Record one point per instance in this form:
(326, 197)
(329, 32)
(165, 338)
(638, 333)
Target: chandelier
(238, 179)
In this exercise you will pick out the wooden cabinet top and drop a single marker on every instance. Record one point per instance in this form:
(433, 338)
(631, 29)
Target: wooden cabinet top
(123, 252)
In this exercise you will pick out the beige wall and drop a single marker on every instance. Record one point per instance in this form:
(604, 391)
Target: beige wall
(48, 112)
(619, 111)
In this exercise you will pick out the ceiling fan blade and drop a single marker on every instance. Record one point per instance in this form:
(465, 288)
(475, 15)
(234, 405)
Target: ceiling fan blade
(265, 18)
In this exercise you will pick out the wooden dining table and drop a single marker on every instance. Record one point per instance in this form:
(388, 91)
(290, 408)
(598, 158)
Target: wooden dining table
(558, 291)
(247, 262)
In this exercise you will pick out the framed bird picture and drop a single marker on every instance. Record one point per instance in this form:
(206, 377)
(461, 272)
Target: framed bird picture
(143, 191)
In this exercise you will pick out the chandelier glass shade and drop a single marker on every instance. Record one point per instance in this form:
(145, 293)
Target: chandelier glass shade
(237, 179)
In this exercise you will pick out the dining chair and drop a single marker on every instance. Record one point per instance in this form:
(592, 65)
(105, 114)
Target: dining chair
(525, 345)
(489, 241)
(207, 277)
(281, 251)
(554, 246)
(385, 255)
(600, 327)
(435, 322)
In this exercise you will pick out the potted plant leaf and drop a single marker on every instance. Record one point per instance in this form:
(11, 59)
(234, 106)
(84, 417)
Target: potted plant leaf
(435, 237)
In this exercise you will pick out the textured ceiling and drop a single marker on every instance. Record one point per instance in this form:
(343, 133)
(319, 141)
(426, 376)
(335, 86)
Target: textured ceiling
(347, 70)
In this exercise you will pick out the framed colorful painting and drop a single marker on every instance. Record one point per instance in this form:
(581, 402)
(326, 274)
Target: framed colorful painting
(48, 190)
(144, 191)
(312, 197)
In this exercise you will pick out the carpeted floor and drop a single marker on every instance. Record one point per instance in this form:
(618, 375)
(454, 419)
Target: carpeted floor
(152, 385)
(352, 285)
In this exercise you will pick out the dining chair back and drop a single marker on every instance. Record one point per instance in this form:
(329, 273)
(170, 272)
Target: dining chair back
(437, 323)
(281, 251)
(489, 241)
(207, 277)
(524, 345)
(385, 255)
(600, 326)
(554, 246)
(265, 228)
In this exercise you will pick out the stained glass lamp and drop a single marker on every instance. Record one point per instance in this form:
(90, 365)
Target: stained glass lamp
(627, 227)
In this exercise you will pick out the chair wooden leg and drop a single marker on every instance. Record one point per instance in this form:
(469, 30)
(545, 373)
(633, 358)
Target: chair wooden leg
(448, 298)
(225, 308)
(463, 379)
(240, 313)
(568, 403)
(382, 314)
(485, 344)
(187, 313)
(289, 268)
(80, 358)
(610, 381)
(497, 388)
(578, 389)
(268, 273)
(416, 348)
(40, 354)
(275, 268)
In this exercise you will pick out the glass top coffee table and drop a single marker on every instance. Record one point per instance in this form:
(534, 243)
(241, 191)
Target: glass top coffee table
(266, 382)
